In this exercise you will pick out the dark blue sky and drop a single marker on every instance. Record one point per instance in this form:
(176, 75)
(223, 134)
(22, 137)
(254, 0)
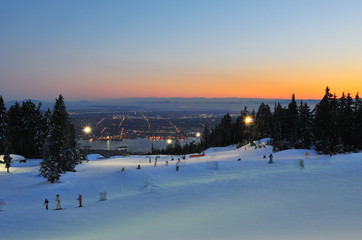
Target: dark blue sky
(108, 49)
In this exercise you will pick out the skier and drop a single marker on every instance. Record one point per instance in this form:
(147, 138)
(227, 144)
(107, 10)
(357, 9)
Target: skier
(155, 165)
(7, 166)
(166, 162)
(59, 206)
(139, 166)
(301, 163)
(306, 155)
(80, 200)
(149, 160)
(7, 160)
(270, 158)
(177, 167)
(239, 159)
(102, 196)
(46, 203)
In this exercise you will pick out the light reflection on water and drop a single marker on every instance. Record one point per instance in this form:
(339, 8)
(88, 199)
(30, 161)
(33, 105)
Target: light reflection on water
(134, 145)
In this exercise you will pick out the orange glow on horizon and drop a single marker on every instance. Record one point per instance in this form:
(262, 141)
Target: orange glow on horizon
(267, 83)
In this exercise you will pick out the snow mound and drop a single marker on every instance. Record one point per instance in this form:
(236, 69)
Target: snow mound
(14, 157)
(93, 157)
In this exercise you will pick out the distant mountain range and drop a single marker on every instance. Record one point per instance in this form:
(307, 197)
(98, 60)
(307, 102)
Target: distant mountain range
(172, 104)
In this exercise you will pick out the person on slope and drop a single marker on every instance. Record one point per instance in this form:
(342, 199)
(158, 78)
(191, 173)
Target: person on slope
(270, 158)
(46, 203)
(301, 164)
(80, 200)
(59, 206)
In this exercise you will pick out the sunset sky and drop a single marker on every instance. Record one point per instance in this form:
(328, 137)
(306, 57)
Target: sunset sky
(187, 48)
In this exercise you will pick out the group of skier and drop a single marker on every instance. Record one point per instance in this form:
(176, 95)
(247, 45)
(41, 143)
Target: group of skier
(301, 162)
(58, 202)
(155, 162)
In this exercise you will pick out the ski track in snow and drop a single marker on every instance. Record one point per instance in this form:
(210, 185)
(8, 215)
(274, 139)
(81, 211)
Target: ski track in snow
(211, 197)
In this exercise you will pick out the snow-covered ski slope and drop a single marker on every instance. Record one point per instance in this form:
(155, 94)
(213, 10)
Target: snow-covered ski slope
(211, 197)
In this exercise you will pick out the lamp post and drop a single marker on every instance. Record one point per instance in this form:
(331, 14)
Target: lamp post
(87, 130)
(248, 121)
(198, 135)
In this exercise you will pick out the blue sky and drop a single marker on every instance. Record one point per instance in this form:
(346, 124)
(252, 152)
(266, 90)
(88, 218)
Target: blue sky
(110, 49)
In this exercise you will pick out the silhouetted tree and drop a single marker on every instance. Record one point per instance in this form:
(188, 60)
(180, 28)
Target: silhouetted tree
(4, 120)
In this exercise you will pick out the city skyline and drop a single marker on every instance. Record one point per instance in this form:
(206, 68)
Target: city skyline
(89, 50)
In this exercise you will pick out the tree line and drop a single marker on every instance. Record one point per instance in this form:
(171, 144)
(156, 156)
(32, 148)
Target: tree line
(333, 126)
(176, 149)
(27, 131)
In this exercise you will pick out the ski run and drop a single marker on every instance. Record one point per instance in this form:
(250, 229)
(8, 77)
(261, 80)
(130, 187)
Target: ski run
(210, 197)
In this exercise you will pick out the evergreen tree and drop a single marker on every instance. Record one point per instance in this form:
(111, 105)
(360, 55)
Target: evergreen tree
(346, 122)
(78, 156)
(241, 131)
(279, 140)
(16, 136)
(40, 134)
(304, 127)
(177, 147)
(61, 149)
(358, 123)
(4, 120)
(291, 122)
(327, 139)
(49, 167)
(33, 129)
(226, 128)
(206, 138)
(263, 121)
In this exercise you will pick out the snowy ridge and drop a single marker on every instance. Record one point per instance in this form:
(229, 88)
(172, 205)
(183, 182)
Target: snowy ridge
(211, 197)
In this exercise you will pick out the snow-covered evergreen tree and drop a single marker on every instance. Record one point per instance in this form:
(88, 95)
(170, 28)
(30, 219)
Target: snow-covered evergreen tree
(40, 132)
(78, 156)
(49, 167)
(33, 129)
(61, 150)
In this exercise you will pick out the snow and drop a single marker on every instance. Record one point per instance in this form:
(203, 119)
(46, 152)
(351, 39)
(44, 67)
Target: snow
(211, 197)
(14, 157)
(93, 157)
